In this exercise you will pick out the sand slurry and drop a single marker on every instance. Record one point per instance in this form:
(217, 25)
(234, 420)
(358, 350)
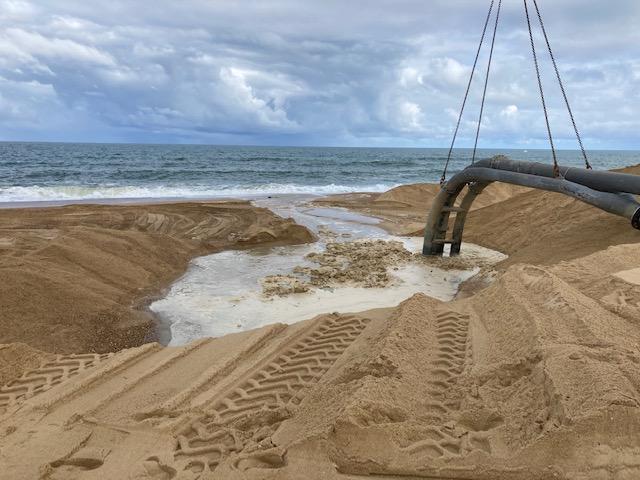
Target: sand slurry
(535, 377)
(362, 263)
(83, 274)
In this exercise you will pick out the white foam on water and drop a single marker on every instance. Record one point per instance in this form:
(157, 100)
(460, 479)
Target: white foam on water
(221, 293)
(195, 311)
(39, 193)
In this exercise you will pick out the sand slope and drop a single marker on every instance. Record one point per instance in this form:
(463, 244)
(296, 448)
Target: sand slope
(531, 378)
(544, 227)
(536, 376)
(404, 209)
(16, 358)
(77, 278)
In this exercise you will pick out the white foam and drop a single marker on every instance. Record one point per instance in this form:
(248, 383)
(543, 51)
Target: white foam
(76, 192)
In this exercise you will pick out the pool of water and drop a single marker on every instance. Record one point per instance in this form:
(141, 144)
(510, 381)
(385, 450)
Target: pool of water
(221, 293)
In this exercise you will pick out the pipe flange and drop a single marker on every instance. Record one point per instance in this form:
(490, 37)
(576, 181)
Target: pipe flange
(635, 220)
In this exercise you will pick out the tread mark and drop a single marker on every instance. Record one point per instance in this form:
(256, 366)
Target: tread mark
(279, 383)
(439, 440)
(48, 375)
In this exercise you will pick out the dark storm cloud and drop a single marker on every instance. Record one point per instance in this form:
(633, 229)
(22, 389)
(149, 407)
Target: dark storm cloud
(291, 72)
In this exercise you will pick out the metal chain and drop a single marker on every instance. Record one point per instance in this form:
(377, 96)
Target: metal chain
(466, 94)
(564, 94)
(486, 81)
(556, 170)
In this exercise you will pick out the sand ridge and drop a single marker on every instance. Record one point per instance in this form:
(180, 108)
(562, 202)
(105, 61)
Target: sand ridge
(545, 228)
(83, 274)
(16, 358)
(530, 226)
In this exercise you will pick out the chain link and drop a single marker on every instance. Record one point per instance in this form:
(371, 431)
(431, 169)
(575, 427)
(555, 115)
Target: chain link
(486, 82)
(564, 93)
(544, 103)
(556, 169)
(466, 94)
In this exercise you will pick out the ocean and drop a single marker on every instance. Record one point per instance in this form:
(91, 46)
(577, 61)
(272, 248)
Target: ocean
(76, 171)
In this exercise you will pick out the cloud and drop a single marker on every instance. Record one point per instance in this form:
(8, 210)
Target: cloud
(360, 73)
(509, 111)
(21, 101)
(241, 96)
(12, 10)
(35, 45)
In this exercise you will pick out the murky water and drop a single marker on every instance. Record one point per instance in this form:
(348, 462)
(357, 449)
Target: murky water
(221, 293)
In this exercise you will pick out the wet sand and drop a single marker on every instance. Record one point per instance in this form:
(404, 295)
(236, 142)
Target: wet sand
(403, 210)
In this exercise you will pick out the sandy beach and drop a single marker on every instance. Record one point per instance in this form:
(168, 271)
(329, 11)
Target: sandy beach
(532, 373)
(284, 240)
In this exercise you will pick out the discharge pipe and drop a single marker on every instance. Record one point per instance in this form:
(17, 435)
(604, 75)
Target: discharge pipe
(608, 191)
(623, 206)
(612, 182)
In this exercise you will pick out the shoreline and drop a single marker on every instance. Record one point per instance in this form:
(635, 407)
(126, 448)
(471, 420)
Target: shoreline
(141, 201)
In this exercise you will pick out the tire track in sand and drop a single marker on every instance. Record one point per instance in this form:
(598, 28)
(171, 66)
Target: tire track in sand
(252, 410)
(454, 347)
(48, 375)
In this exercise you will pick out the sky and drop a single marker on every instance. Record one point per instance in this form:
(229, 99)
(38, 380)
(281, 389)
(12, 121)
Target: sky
(371, 73)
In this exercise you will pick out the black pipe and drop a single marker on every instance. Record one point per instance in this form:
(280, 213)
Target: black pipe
(611, 192)
(609, 202)
(611, 182)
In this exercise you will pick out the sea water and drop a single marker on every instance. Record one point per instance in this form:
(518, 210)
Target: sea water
(70, 172)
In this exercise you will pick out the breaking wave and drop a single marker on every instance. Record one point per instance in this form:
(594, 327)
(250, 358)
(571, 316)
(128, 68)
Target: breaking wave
(75, 192)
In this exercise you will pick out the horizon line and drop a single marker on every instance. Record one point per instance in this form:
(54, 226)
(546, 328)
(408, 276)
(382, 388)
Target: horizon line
(621, 149)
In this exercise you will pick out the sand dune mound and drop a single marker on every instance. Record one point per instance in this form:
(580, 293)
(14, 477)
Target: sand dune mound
(414, 195)
(531, 226)
(545, 228)
(403, 209)
(420, 195)
(151, 412)
(611, 277)
(529, 379)
(534, 377)
(82, 274)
